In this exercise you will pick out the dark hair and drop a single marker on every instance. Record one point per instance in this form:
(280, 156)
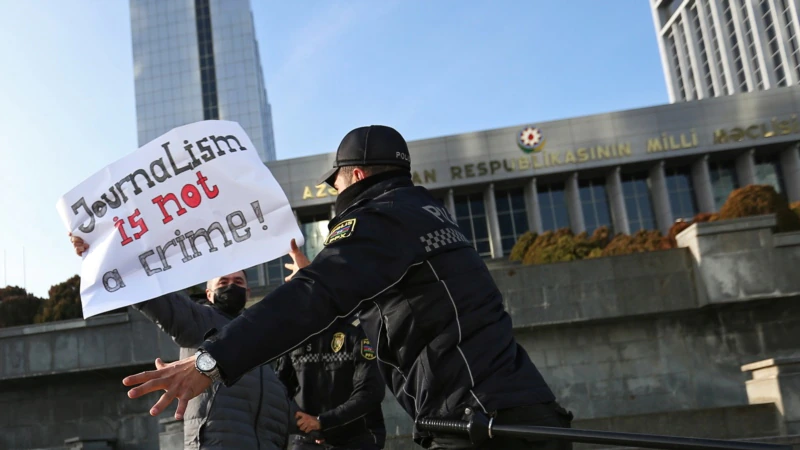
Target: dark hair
(244, 274)
(370, 170)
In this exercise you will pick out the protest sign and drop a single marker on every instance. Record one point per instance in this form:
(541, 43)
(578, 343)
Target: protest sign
(193, 204)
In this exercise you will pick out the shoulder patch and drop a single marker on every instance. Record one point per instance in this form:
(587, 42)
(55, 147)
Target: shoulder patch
(366, 350)
(341, 231)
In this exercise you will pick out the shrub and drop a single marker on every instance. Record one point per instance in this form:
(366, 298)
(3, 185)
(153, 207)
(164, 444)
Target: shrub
(753, 200)
(563, 245)
(641, 241)
(522, 245)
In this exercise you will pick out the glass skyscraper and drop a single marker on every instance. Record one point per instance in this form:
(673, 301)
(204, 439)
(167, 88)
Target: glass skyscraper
(196, 60)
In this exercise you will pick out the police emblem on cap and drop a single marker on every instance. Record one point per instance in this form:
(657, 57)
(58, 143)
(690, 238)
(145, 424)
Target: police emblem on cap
(366, 349)
(338, 342)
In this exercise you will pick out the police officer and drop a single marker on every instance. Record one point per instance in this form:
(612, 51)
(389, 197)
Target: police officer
(425, 298)
(335, 381)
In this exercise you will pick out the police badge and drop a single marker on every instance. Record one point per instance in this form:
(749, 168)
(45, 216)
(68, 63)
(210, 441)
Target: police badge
(338, 342)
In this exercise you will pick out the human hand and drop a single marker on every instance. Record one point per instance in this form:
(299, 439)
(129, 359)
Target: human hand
(179, 379)
(306, 422)
(78, 243)
(299, 261)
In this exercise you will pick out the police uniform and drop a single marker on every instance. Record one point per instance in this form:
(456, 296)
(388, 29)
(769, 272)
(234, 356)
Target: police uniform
(425, 298)
(334, 377)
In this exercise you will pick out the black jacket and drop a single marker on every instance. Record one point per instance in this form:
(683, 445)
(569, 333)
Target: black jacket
(253, 414)
(335, 376)
(426, 299)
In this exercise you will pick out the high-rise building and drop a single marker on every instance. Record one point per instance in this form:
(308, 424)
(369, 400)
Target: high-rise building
(197, 60)
(711, 48)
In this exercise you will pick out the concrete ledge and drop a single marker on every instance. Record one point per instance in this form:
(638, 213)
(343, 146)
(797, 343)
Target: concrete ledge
(788, 239)
(63, 325)
(779, 361)
(695, 230)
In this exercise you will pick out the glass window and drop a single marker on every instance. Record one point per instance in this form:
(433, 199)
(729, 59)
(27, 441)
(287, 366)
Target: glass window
(636, 192)
(681, 193)
(252, 276)
(723, 180)
(553, 206)
(472, 221)
(512, 216)
(768, 171)
(315, 231)
(594, 203)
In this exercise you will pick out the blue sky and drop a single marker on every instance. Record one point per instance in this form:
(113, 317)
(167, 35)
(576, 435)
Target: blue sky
(426, 68)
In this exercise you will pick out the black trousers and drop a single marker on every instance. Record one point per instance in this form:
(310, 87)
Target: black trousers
(297, 442)
(545, 415)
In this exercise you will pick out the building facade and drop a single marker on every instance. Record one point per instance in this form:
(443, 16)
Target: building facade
(197, 60)
(628, 170)
(712, 48)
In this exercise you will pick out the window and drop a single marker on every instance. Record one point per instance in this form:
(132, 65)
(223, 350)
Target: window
(681, 193)
(772, 37)
(794, 48)
(723, 181)
(205, 46)
(737, 55)
(636, 192)
(512, 217)
(594, 203)
(691, 93)
(252, 276)
(276, 272)
(751, 46)
(768, 171)
(704, 55)
(676, 63)
(472, 220)
(315, 231)
(553, 207)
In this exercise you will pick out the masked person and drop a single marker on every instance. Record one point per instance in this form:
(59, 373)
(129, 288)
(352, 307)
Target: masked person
(443, 340)
(254, 414)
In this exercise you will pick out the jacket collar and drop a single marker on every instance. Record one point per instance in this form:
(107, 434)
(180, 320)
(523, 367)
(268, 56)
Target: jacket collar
(369, 188)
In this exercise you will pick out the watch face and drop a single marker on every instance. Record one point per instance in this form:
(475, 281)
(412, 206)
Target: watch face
(205, 362)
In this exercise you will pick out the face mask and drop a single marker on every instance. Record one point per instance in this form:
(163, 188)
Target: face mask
(230, 299)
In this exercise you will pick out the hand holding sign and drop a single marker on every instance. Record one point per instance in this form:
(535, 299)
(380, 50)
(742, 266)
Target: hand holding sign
(189, 205)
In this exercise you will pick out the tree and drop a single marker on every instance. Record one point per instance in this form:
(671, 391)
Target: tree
(64, 302)
(17, 306)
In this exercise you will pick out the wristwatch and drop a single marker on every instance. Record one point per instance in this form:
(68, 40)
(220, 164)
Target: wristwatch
(207, 365)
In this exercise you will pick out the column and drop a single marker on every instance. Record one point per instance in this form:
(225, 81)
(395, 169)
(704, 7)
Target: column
(450, 202)
(701, 181)
(573, 195)
(746, 167)
(495, 241)
(619, 215)
(660, 196)
(790, 164)
(532, 206)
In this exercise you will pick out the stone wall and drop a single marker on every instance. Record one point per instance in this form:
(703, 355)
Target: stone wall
(651, 333)
(64, 380)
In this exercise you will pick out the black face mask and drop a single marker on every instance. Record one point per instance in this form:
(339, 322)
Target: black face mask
(230, 299)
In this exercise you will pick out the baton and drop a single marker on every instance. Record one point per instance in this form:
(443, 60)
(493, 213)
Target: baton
(479, 429)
